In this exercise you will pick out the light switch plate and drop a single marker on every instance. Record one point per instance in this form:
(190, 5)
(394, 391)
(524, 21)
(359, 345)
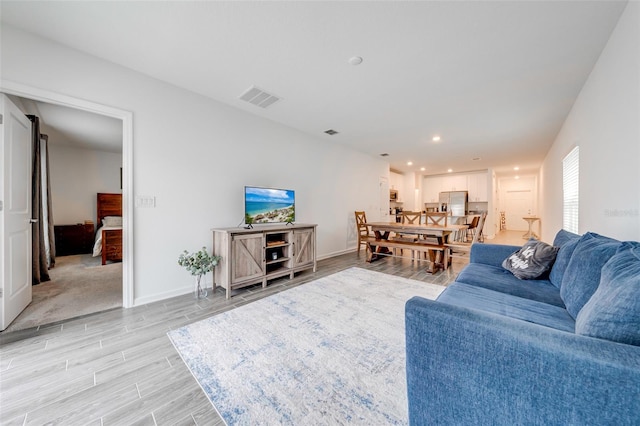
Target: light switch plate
(145, 201)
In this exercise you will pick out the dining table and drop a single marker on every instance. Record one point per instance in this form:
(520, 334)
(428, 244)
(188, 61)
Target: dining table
(429, 238)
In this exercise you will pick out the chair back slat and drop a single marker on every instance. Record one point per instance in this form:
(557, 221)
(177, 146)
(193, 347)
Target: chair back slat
(414, 218)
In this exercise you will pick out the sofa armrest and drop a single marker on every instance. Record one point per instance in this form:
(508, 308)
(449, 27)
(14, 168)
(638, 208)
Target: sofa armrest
(491, 254)
(469, 367)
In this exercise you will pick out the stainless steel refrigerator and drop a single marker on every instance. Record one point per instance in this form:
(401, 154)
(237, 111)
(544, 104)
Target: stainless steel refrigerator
(455, 202)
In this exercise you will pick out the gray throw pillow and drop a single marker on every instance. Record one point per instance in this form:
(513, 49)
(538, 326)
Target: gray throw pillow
(532, 260)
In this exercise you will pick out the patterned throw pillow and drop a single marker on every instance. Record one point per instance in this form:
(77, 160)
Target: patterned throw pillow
(532, 260)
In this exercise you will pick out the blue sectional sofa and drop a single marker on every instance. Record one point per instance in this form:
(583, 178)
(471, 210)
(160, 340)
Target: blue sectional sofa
(563, 349)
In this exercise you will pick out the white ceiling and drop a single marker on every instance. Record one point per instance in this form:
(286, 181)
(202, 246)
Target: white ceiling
(495, 79)
(76, 128)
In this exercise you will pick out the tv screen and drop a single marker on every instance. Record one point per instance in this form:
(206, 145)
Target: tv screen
(268, 205)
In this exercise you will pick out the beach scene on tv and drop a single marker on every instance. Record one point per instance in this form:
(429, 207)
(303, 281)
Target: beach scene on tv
(267, 205)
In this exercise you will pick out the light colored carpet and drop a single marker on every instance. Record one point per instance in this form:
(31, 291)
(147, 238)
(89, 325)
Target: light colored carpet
(328, 352)
(79, 285)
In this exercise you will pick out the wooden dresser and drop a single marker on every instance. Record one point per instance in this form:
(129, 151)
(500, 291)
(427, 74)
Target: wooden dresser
(74, 239)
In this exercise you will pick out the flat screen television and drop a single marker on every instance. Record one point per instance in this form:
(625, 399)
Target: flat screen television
(269, 205)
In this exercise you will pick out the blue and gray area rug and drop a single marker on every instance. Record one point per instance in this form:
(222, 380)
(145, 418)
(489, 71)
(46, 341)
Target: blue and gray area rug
(328, 352)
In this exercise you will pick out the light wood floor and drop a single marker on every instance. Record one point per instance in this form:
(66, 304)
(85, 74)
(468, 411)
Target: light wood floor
(119, 367)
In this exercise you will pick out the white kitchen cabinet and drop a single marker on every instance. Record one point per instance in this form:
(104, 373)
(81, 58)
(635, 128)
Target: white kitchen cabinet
(478, 187)
(396, 181)
(432, 186)
(454, 183)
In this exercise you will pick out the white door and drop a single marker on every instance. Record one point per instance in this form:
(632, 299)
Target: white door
(518, 203)
(15, 213)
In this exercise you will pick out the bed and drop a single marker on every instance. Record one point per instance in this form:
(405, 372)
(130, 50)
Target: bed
(108, 242)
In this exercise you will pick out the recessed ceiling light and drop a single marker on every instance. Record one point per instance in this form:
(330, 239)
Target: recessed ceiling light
(409, 163)
(517, 177)
(516, 168)
(450, 170)
(331, 132)
(384, 154)
(422, 169)
(355, 60)
(436, 138)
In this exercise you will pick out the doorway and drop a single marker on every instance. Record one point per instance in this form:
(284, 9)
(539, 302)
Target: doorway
(518, 200)
(126, 163)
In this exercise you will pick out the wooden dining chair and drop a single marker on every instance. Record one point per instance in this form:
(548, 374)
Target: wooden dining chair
(361, 228)
(411, 218)
(436, 218)
(414, 218)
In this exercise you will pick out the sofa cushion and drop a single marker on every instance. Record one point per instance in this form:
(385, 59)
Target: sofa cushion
(562, 260)
(532, 261)
(499, 279)
(473, 297)
(563, 237)
(582, 276)
(613, 312)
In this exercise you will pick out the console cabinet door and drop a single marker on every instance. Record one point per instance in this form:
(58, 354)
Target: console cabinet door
(303, 247)
(247, 252)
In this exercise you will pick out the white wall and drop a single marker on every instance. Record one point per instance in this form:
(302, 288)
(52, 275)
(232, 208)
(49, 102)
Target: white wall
(77, 175)
(195, 155)
(605, 123)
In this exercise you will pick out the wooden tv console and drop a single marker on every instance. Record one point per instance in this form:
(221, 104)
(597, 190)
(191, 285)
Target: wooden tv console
(265, 252)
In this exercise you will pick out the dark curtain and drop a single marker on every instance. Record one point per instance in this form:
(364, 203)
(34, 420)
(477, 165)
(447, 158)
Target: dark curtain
(40, 258)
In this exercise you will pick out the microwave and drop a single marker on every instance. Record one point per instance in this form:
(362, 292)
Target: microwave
(393, 195)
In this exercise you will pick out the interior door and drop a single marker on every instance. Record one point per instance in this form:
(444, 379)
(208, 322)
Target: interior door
(518, 203)
(15, 212)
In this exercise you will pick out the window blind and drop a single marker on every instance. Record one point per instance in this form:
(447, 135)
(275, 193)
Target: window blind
(570, 190)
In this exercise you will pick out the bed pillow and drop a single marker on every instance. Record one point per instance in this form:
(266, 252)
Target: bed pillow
(112, 221)
(582, 276)
(613, 312)
(532, 260)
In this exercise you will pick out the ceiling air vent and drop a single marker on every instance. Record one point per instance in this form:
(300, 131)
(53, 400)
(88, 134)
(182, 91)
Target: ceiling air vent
(331, 132)
(259, 97)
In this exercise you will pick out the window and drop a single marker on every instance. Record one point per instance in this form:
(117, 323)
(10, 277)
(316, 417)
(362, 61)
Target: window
(570, 193)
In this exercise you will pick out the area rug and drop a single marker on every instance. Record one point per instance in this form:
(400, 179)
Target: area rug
(331, 351)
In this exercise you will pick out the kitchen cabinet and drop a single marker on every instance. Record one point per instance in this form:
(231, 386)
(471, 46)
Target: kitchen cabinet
(396, 182)
(432, 188)
(478, 187)
(454, 183)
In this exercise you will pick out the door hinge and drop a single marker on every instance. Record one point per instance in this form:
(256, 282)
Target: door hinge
(0, 118)
(1, 205)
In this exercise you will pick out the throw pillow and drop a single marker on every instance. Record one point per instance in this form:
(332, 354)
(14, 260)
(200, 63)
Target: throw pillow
(613, 312)
(532, 260)
(582, 276)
